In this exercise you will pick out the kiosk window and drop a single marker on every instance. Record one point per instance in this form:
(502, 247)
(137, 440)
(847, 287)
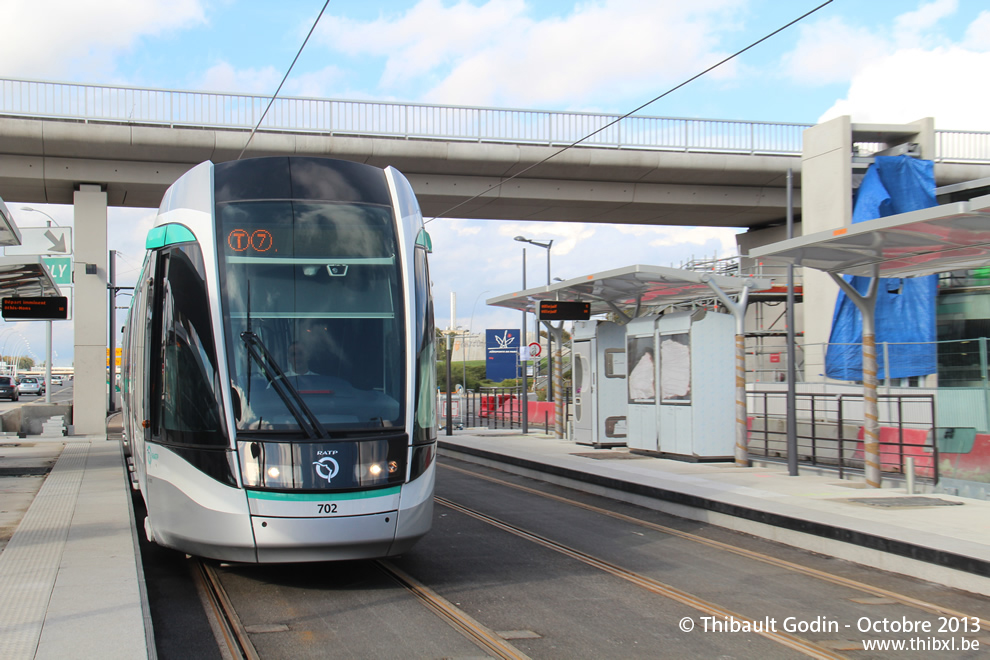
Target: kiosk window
(675, 368)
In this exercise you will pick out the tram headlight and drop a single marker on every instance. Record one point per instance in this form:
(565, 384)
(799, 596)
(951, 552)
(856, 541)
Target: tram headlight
(375, 469)
(273, 472)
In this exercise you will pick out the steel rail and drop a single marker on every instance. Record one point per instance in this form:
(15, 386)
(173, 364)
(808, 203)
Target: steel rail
(910, 601)
(223, 613)
(459, 620)
(654, 586)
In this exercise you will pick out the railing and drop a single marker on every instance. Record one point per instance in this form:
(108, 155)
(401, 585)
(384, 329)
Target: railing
(829, 430)
(494, 408)
(398, 120)
(137, 105)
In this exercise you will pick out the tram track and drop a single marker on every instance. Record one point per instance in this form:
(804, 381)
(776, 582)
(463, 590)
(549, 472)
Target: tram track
(236, 643)
(235, 637)
(788, 640)
(454, 616)
(879, 592)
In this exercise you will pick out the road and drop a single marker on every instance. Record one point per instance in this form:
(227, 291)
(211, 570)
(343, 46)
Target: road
(60, 394)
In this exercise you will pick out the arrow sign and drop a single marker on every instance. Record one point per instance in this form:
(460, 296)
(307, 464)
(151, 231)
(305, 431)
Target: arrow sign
(58, 242)
(42, 240)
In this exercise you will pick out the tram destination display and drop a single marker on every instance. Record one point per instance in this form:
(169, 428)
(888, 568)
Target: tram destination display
(47, 308)
(555, 310)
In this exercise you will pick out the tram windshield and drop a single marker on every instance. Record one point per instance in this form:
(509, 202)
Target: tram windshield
(313, 313)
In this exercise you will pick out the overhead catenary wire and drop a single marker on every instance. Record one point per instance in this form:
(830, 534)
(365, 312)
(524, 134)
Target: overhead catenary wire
(284, 78)
(633, 111)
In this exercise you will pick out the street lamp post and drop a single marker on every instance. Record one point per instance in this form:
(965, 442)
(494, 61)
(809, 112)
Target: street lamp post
(546, 246)
(48, 324)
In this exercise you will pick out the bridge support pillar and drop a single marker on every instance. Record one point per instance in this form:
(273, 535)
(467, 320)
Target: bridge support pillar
(89, 272)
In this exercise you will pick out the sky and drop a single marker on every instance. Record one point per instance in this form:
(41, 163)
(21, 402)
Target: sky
(882, 61)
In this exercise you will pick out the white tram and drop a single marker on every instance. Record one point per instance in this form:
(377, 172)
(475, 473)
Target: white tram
(278, 371)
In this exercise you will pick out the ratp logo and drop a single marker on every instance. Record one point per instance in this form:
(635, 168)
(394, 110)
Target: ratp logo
(326, 468)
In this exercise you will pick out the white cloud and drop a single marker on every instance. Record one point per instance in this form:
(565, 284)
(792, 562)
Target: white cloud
(834, 50)
(62, 38)
(497, 54)
(565, 235)
(978, 33)
(911, 84)
(824, 54)
(910, 27)
(721, 239)
(222, 77)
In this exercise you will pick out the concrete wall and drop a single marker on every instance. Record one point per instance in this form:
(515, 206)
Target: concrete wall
(28, 418)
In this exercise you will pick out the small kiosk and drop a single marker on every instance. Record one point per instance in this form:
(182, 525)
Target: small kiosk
(680, 385)
(599, 375)
(698, 386)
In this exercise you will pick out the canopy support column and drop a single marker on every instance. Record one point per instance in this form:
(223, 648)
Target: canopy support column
(558, 381)
(738, 310)
(871, 417)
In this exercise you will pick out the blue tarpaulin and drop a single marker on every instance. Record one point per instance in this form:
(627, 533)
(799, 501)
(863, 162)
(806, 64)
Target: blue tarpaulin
(905, 307)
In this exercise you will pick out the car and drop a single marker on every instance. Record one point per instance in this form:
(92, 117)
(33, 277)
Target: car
(8, 388)
(31, 385)
(56, 380)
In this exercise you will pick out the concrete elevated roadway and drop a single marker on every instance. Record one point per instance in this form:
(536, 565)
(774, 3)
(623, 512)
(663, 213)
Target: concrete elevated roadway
(45, 161)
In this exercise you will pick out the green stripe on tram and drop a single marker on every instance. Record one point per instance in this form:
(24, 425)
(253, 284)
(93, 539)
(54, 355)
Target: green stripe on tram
(167, 235)
(317, 497)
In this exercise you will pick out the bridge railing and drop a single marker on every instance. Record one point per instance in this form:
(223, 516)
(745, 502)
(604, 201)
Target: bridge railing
(136, 105)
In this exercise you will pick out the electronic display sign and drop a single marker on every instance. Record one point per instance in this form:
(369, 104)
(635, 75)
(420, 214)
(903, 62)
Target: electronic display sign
(47, 308)
(555, 310)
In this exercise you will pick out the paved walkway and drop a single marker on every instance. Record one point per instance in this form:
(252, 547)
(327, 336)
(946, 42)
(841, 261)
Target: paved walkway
(70, 577)
(72, 584)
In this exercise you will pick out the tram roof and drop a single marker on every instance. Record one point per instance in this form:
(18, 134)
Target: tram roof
(629, 287)
(952, 236)
(25, 276)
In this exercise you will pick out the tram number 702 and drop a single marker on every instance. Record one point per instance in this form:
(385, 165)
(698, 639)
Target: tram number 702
(327, 509)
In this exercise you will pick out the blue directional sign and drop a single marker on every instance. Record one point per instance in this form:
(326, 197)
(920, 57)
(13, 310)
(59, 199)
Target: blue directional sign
(501, 354)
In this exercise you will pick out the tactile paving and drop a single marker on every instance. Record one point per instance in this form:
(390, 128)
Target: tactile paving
(30, 562)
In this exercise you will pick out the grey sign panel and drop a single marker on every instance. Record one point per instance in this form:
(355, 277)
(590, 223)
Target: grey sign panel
(43, 240)
(949, 237)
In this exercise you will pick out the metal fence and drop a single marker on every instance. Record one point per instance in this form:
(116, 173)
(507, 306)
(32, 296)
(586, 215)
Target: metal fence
(136, 105)
(494, 408)
(829, 430)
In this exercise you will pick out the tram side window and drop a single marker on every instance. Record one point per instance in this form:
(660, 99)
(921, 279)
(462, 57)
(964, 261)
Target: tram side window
(426, 379)
(190, 392)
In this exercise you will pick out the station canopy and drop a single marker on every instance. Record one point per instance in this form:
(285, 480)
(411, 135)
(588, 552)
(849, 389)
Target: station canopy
(631, 288)
(25, 277)
(9, 233)
(949, 237)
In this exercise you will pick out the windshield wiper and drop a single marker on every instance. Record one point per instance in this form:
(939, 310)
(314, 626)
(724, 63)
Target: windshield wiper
(290, 396)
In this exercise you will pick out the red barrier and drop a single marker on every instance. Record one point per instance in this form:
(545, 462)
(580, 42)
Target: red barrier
(537, 412)
(489, 405)
(890, 450)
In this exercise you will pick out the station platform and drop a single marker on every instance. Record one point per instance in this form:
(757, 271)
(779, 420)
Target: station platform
(73, 585)
(70, 574)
